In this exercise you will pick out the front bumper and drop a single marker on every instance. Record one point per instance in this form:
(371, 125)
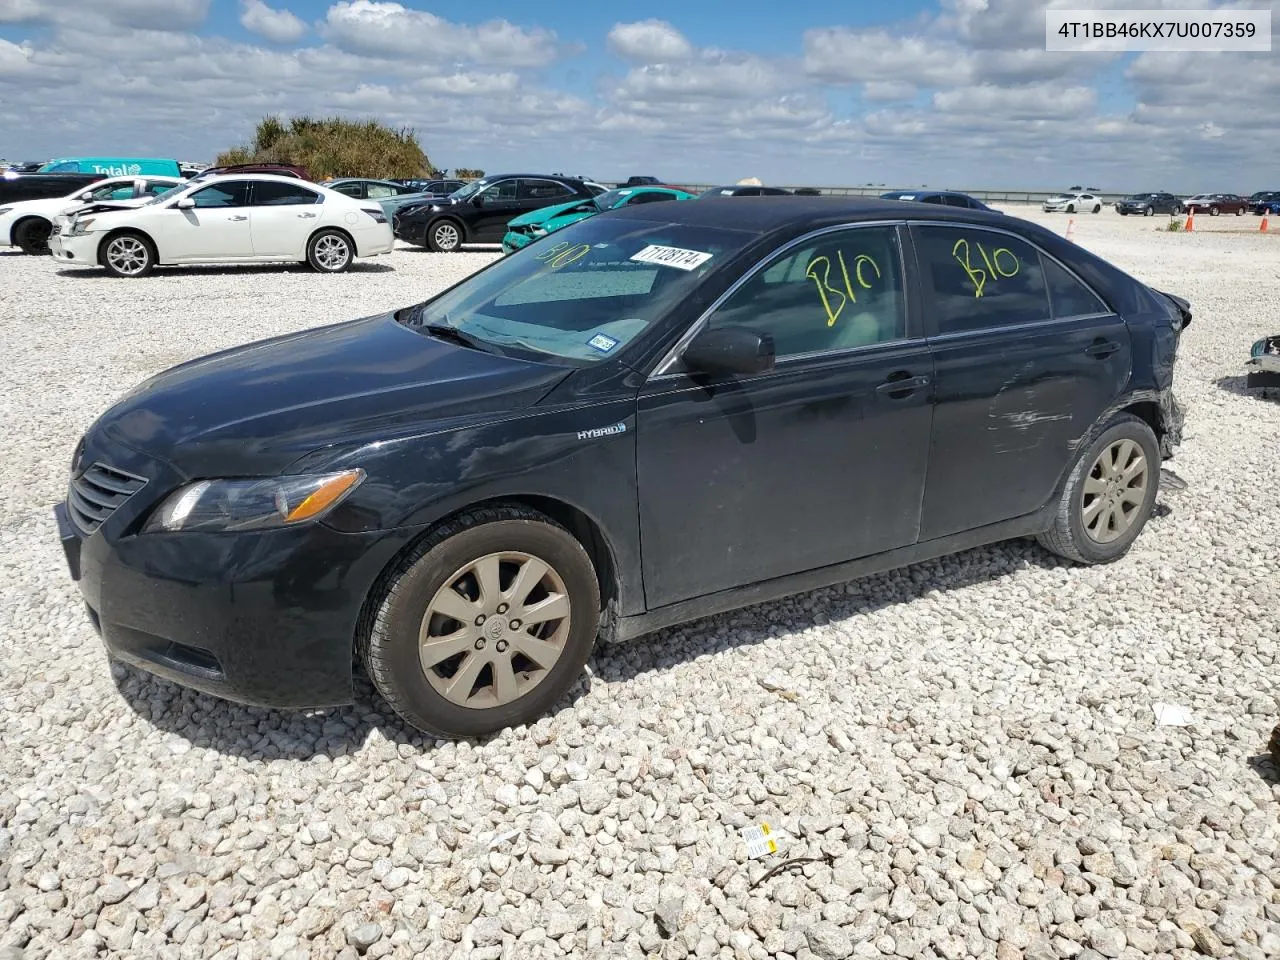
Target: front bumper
(81, 251)
(265, 618)
(410, 229)
(1054, 207)
(514, 241)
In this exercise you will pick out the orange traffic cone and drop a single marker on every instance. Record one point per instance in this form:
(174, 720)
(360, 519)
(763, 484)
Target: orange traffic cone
(1071, 227)
(1262, 227)
(1191, 220)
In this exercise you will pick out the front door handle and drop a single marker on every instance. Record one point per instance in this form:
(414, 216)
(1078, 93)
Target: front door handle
(307, 216)
(1102, 348)
(901, 384)
(237, 218)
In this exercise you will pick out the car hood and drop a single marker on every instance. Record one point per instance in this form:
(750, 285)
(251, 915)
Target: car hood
(535, 217)
(254, 410)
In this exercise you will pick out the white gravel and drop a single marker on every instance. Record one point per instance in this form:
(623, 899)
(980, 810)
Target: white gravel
(969, 743)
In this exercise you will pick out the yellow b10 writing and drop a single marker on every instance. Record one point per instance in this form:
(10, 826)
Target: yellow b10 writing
(563, 254)
(819, 271)
(995, 268)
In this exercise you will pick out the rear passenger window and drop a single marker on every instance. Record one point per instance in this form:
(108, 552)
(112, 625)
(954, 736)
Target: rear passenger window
(1068, 296)
(977, 279)
(269, 193)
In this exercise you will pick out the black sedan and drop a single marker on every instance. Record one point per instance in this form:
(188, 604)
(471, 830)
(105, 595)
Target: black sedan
(1148, 204)
(657, 414)
(479, 212)
(946, 198)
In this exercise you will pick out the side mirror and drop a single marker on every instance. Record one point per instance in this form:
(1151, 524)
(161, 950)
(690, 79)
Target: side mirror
(734, 350)
(87, 195)
(186, 203)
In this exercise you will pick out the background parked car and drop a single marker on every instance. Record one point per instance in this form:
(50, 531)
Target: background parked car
(1262, 201)
(35, 186)
(1073, 203)
(1216, 203)
(388, 194)
(27, 224)
(480, 211)
(1148, 204)
(525, 229)
(435, 188)
(743, 190)
(115, 166)
(232, 219)
(947, 198)
(640, 181)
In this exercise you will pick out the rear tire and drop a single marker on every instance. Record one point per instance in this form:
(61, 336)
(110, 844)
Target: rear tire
(128, 254)
(460, 588)
(32, 235)
(330, 251)
(1109, 494)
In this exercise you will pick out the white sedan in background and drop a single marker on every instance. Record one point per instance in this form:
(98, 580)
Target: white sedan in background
(27, 223)
(245, 218)
(1073, 203)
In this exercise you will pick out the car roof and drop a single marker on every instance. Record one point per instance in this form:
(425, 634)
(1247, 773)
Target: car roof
(770, 214)
(260, 177)
(490, 177)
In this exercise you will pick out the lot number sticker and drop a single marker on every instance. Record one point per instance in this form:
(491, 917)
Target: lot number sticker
(602, 342)
(672, 257)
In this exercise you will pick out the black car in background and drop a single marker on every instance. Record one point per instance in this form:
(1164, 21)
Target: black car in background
(946, 198)
(479, 211)
(656, 414)
(437, 187)
(642, 181)
(39, 186)
(743, 190)
(1148, 204)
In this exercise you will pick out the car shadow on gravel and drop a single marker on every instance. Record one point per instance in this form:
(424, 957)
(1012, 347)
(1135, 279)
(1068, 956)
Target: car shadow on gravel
(1240, 387)
(81, 273)
(263, 734)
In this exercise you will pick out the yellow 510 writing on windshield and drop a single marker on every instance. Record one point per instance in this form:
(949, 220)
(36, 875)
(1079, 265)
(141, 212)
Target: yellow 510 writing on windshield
(563, 254)
(819, 270)
(995, 269)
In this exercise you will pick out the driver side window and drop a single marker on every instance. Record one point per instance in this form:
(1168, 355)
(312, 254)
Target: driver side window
(233, 194)
(840, 291)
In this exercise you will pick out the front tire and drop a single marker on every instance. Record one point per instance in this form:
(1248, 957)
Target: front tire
(1148, 212)
(444, 237)
(330, 251)
(128, 254)
(485, 625)
(32, 236)
(1071, 208)
(1214, 211)
(1109, 494)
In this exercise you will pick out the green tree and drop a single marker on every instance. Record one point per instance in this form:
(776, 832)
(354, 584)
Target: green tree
(468, 173)
(334, 147)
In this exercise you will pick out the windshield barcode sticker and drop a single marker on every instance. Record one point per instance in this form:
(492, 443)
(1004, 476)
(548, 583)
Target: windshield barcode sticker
(602, 342)
(672, 257)
(759, 840)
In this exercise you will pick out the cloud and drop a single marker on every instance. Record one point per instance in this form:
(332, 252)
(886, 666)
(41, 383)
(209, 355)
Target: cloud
(278, 26)
(649, 42)
(14, 58)
(21, 11)
(373, 28)
(840, 55)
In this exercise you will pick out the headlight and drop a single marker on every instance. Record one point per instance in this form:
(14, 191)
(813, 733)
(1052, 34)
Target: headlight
(227, 505)
(80, 227)
(538, 231)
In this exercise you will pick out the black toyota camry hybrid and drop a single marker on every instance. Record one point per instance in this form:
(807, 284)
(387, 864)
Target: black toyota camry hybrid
(653, 415)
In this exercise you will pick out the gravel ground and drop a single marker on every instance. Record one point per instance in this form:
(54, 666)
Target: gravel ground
(967, 746)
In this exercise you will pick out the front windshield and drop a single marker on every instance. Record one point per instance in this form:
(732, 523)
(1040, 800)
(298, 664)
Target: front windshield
(472, 188)
(611, 198)
(583, 293)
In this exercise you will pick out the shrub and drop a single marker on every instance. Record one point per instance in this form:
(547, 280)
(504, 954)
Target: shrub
(334, 147)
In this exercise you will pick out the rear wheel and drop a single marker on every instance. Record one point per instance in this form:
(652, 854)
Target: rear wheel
(128, 255)
(330, 251)
(1097, 208)
(32, 235)
(485, 625)
(1109, 494)
(444, 237)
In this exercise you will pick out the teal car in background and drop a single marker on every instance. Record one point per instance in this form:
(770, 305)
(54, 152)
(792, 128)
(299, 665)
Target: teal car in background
(525, 229)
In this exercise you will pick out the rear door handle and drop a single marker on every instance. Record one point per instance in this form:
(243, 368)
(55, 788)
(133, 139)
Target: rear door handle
(1102, 348)
(234, 219)
(308, 216)
(901, 384)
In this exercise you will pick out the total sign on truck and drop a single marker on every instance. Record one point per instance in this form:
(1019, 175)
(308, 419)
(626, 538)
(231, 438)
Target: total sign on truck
(114, 166)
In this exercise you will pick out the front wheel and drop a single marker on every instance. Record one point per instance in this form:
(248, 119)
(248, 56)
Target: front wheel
(1071, 208)
(32, 236)
(128, 255)
(1109, 494)
(330, 251)
(1214, 211)
(485, 625)
(444, 237)
(1148, 212)
(1239, 211)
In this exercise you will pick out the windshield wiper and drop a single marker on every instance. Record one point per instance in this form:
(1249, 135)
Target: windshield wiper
(445, 331)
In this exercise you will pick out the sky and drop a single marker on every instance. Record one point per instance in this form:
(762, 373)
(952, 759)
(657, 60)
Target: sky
(945, 93)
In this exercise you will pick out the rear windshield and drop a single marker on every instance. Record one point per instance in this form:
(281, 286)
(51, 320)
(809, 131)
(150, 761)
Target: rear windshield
(584, 292)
